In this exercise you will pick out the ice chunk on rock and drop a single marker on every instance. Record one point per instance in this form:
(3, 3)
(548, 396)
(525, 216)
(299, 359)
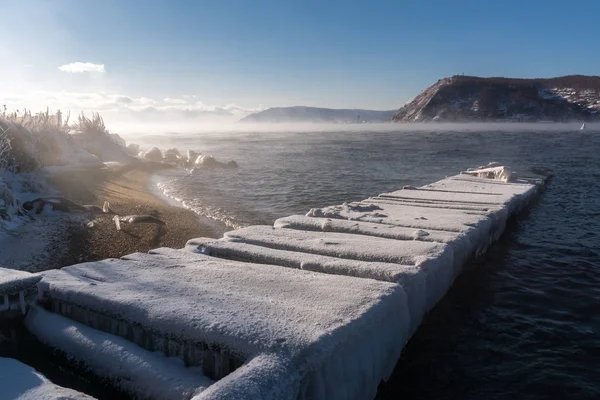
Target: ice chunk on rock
(154, 154)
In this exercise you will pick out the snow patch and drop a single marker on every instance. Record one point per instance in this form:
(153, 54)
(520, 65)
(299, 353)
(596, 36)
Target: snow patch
(19, 381)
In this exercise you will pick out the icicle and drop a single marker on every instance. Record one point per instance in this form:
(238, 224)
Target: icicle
(6, 304)
(22, 301)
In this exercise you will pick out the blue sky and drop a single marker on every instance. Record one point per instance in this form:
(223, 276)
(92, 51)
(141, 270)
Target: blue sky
(251, 54)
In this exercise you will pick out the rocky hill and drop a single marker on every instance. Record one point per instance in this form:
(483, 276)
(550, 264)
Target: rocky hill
(317, 115)
(469, 98)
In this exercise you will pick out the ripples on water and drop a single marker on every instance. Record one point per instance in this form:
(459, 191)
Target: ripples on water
(523, 322)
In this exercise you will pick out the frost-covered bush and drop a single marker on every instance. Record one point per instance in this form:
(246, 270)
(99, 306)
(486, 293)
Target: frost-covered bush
(7, 200)
(91, 126)
(5, 150)
(37, 140)
(91, 135)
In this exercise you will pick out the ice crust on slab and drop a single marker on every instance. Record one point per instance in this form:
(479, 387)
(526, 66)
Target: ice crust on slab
(266, 376)
(479, 229)
(413, 279)
(302, 222)
(449, 196)
(311, 262)
(19, 381)
(470, 207)
(342, 245)
(402, 215)
(513, 193)
(139, 372)
(435, 259)
(310, 319)
(13, 281)
(461, 183)
(462, 246)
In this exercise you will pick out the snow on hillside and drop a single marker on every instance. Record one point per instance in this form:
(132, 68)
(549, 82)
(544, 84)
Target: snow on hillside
(467, 98)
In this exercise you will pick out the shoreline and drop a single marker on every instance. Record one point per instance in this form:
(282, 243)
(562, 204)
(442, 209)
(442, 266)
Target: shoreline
(218, 227)
(128, 190)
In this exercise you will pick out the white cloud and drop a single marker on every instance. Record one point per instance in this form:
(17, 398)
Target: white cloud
(79, 67)
(127, 106)
(175, 101)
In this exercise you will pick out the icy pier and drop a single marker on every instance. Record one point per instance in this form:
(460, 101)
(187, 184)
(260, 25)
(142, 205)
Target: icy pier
(17, 291)
(317, 306)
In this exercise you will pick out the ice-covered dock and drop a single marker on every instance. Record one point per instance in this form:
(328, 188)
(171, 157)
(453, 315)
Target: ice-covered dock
(317, 306)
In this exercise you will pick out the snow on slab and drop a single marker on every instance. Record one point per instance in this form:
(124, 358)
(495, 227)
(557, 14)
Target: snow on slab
(451, 196)
(13, 281)
(436, 259)
(475, 185)
(342, 245)
(403, 215)
(139, 372)
(474, 209)
(19, 381)
(266, 376)
(479, 228)
(316, 321)
(414, 280)
(302, 222)
(311, 262)
(461, 245)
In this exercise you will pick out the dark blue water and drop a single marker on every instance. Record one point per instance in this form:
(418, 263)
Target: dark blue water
(521, 323)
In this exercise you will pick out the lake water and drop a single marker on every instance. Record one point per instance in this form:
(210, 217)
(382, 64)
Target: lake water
(522, 322)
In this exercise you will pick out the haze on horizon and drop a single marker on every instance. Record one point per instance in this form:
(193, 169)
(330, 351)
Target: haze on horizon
(190, 64)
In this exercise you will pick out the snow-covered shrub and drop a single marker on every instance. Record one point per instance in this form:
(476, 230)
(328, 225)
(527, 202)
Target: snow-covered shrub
(91, 135)
(91, 126)
(5, 150)
(40, 140)
(7, 200)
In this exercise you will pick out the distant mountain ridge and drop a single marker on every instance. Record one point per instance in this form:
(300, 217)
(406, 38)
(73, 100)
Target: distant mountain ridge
(301, 114)
(470, 98)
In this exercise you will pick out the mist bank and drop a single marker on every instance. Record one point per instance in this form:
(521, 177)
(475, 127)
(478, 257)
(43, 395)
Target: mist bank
(182, 127)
